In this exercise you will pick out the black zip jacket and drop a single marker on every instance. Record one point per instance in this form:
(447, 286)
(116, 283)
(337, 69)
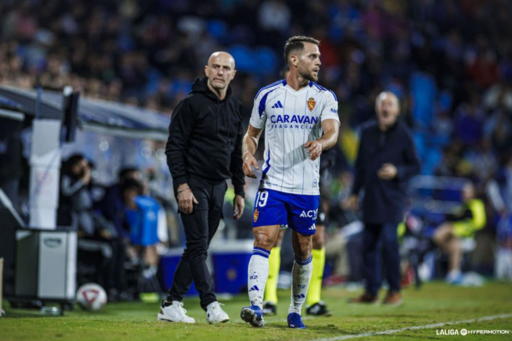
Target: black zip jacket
(205, 138)
(384, 200)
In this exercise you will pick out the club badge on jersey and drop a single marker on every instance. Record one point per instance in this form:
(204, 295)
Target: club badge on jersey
(311, 103)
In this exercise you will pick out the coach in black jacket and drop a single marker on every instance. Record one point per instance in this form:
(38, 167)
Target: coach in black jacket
(203, 150)
(386, 160)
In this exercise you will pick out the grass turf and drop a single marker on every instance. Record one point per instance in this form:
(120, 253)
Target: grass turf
(434, 303)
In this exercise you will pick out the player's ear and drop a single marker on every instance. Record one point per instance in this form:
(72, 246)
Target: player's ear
(206, 70)
(233, 74)
(294, 59)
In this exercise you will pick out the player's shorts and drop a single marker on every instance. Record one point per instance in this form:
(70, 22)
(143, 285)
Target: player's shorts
(297, 211)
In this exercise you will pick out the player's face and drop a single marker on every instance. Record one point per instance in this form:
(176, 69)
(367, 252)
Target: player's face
(387, 109)
(309, 62)
(220, 70)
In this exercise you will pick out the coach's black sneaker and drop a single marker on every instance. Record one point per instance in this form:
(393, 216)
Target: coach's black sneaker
(269, 308)
(318, 309)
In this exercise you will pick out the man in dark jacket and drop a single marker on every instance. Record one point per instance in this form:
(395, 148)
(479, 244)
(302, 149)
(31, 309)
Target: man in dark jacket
(386, 160)
(203, 150)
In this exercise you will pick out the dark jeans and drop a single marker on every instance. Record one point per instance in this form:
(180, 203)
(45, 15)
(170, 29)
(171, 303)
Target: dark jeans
(200, 227)
(381, 239)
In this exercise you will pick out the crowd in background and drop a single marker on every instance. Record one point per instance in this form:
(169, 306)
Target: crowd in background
(448, 61)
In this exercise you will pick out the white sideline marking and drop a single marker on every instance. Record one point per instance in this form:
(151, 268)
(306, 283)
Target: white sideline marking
(427, 326)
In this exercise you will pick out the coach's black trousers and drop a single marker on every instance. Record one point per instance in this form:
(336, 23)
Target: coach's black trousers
(200, 227)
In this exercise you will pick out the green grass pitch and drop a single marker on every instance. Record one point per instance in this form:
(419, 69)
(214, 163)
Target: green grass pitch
(436, 302)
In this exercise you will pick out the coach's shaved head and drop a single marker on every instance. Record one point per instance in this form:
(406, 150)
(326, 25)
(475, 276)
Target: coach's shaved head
(223, 55)
(220, 71)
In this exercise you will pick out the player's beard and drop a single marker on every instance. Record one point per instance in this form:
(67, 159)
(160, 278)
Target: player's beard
(309, 76)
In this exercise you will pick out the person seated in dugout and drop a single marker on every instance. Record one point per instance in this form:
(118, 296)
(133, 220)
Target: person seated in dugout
(141, 216)
(96, 248)
(468, 219)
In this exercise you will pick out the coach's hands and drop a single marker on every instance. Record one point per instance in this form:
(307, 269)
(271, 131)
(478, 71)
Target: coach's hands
(388, 171)
(314, 149)
(249, 161)
(238, 206)
(186, 199)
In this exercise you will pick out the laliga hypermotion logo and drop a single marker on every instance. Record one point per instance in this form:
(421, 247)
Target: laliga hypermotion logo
(311, 103)
(256, 215)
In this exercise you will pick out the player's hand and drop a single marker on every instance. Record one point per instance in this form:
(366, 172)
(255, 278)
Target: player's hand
(388, 171)
(314, 149)
(238, 206)
(186, 201)
(351, 203)
(249, 161)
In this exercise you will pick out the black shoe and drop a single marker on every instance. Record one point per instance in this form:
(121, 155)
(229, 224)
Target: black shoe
(269, 308)
(318, 309)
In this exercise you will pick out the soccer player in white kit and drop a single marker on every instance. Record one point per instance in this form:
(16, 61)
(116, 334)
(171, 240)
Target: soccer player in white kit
(300, 119)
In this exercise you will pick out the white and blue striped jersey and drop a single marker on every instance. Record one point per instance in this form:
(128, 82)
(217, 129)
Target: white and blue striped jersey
(290, 119)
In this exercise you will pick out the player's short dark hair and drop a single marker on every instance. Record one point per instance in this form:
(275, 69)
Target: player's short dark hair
(297, 43)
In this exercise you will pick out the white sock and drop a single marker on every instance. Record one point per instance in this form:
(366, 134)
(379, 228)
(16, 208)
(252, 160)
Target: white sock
(257, 275)
(301, 275)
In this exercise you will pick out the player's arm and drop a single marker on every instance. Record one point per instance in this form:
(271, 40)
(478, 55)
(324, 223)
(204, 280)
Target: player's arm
(249, 147)
(331, 128)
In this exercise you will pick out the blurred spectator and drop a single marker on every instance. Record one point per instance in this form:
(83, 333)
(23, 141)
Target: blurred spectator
(97, 244)
(505, 180)
(112, 205)
(142, 215)
(469, 119)
(468, 219)
(10, 158)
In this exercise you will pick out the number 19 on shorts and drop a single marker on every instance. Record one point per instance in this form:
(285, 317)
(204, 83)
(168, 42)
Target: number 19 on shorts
(261, 199)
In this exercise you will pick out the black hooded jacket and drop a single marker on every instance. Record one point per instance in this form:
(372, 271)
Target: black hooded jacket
(205, 138)
(384, 200)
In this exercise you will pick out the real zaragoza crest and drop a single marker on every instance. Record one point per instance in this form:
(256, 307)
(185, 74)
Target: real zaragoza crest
(311, 103)
(256, 215)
